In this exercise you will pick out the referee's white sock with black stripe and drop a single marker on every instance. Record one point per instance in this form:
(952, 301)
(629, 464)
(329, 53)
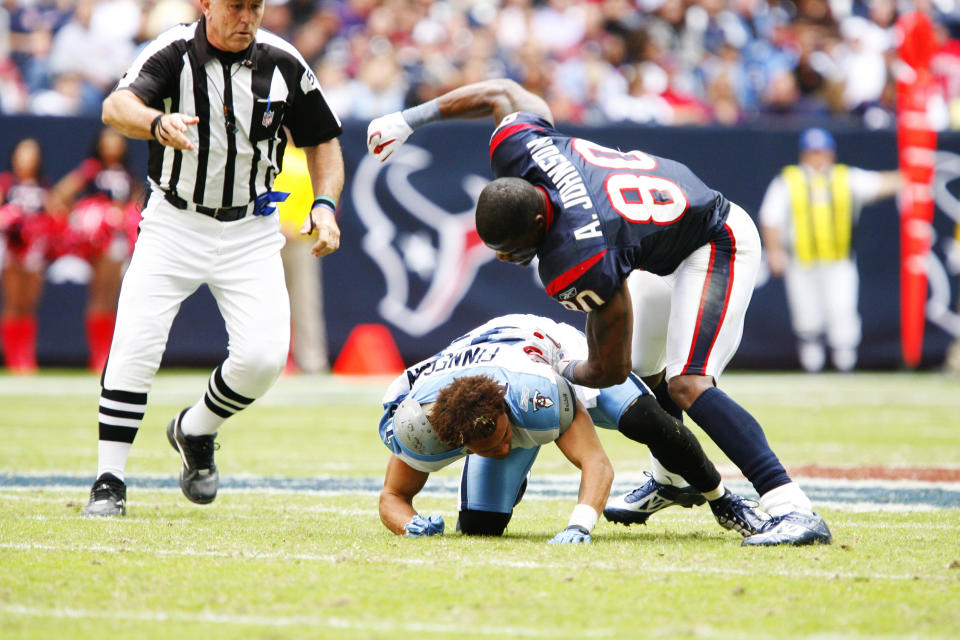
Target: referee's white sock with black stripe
(218, 403)
(121, 413)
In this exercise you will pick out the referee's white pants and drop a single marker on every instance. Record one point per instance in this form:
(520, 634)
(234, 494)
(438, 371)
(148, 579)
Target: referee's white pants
(691, 321)
(239, 261)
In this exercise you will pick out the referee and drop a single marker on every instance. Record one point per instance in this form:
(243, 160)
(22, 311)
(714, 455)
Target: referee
(211, 97)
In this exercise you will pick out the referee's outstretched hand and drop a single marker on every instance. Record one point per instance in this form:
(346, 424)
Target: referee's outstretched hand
(171, 128)
(323, 221)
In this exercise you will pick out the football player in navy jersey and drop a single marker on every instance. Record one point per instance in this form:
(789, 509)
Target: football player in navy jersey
(491, 396)
(592, 215)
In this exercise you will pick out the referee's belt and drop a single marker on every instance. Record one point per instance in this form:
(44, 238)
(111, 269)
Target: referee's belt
(224, 214)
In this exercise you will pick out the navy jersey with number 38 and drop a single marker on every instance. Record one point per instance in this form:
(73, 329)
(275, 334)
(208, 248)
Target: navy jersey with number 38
(608, 212)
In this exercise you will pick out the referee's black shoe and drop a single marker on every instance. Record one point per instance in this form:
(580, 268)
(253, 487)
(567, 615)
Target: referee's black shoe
(108, 498)
(198, 472)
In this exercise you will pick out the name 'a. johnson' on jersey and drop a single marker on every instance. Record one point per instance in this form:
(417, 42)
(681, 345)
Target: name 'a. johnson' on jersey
(608, 211)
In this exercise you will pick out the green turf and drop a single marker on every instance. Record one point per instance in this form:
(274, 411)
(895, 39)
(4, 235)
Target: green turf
(294, 565)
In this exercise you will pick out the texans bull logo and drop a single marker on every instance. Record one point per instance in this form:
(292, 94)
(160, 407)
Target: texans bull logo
(434, 250)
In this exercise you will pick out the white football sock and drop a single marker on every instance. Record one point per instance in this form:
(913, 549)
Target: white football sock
(200, 421)
(784, 499)
(112, 457)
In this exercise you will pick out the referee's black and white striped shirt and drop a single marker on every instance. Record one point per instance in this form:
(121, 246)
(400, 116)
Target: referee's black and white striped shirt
(241, 99)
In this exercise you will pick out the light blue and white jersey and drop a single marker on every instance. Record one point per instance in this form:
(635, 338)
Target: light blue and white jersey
(539, 402)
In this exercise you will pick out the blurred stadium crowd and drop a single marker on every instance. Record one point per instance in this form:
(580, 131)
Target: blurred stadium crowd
(650, 61)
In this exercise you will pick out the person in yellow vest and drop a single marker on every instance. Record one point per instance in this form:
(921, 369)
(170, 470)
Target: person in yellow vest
(806, 223)
(301, 270)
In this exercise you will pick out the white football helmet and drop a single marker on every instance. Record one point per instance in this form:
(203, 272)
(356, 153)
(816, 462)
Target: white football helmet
(412, 428)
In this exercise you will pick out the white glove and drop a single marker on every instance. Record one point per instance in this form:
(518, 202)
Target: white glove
(541, 347)
(386, 133)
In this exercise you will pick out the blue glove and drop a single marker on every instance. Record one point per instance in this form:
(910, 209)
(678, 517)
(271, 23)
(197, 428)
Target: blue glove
(420, 527)
(264, 204)
(574, 534)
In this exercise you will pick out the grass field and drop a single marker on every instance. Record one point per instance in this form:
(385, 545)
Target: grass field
(293, 547)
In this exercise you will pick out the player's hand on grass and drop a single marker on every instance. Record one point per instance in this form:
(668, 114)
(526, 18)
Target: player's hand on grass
(420, 527)
(574, 534)
(541, 347)
(386, 133)
(322, 220)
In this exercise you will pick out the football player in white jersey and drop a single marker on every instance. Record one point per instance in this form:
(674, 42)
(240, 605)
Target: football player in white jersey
(491, 397)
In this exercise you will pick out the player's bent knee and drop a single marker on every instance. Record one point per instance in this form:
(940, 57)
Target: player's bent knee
(684, 390)
(482, 523)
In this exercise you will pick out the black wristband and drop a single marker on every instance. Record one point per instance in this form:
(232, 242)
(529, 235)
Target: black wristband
(154, 125)
(325, 200)
(577, 527)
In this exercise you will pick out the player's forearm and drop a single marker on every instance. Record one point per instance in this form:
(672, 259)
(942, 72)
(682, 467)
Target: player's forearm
(581, 446)
(595, 481)
(126, 113)
(777, 258)
(325, 164)
(597, 373)
(62, 195)
(609, 332)
(890, 183)
(395, 511)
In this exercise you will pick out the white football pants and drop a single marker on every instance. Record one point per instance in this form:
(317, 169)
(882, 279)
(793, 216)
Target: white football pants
(691, 320)
(823, 302)
(239, 261)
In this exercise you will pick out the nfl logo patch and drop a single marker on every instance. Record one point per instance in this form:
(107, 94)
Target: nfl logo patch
(267, 118)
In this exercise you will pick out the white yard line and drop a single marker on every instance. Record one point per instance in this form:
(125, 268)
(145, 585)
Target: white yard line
(322, 622)
(396, 628)
(433, 562)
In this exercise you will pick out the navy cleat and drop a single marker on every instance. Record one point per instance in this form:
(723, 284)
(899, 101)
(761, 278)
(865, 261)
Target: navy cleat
(199, 478)
(796, 528)
(108, 498)
(641, 503)
(738, 514)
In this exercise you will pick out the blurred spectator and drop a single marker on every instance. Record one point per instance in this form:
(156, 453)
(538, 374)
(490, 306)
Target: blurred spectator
(64, 98)
(87, 49)
(379, 87)
(13, 91)
(863, 59)
(100, 201)
(163, 14)
(32, 26)
(27, 233)
(782, 99)
(724, 60)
